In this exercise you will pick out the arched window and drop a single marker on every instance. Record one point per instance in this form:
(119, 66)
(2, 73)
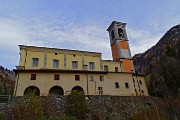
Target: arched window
(56, 90)
(78, 89)
(32, 90)
(121, 33)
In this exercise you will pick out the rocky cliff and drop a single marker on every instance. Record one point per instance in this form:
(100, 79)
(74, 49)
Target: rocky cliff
(168, 45)
(161, 63)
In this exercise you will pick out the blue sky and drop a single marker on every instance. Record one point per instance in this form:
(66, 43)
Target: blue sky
(81, 24)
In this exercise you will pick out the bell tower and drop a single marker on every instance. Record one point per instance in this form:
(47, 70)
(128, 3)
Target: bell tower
(120, 45)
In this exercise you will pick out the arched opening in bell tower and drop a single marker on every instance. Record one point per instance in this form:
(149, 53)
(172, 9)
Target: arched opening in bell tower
(112, 35)
(120, 33)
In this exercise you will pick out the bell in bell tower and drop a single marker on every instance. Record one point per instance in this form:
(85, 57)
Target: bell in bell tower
(120, 46)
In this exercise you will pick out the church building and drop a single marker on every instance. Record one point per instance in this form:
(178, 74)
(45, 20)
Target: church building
(54, 71)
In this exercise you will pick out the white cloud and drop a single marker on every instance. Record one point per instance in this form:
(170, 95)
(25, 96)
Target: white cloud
(24, 25)
(141, 40)
(62, 35)
(89, 37)
(163, 22)
(11, 34)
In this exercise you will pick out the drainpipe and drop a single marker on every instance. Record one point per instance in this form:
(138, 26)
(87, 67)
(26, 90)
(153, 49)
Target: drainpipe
(95, 87)
(87, 84)
(85, 67)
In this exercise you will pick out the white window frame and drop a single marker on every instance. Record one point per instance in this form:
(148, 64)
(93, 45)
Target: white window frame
(92, 78)
(75, 64)
(91, 66)
(100, 90)
(106, 68)
(101, 78)
(55, 63)
(35, 62)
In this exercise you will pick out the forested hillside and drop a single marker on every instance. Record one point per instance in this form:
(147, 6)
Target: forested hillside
(7, 81)
(161, 64)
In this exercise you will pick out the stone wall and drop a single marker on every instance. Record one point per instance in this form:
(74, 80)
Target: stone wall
(119, 108)
(103, 107)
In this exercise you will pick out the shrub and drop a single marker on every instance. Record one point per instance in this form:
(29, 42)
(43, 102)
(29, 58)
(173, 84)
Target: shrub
(2, 116)
(62, 117)
(32, 108)
(77, 106)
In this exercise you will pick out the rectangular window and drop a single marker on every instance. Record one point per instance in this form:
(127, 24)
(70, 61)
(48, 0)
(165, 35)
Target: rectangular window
(55, 63)
(116, 69)
(74, 64)
(101, 78)
(135, 91)
(91, 66)
(56, 77)
(85, 67)
(77, 77)
(91, 77)
(116, 85)
(106, 68)
(100, 90)
(35, 62)
(33, 76)
(142, 91)
(126, 85)
(140, 82)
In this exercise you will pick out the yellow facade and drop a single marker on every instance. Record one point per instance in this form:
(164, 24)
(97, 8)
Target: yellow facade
(52, 71)
(112, 65)
(93, 80)
(139, 85)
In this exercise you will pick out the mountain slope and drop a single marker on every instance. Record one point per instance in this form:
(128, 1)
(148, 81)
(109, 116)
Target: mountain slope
(168, 45)
(7, 81)
(162, 64)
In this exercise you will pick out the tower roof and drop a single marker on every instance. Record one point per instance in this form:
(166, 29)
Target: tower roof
(113, 23)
